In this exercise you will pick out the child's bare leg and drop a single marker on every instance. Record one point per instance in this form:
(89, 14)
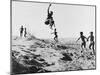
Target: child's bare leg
(54, 24)
(50, 22)
(50, 26)
(93, 49)
(54, 38)
(20, 34)
(81, 48)
(90, 46)
(85, 46)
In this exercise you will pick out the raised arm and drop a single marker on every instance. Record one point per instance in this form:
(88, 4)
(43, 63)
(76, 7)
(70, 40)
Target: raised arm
(48, 9)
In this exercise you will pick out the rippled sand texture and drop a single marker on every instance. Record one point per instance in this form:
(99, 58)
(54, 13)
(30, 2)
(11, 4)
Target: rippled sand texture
(32, 55)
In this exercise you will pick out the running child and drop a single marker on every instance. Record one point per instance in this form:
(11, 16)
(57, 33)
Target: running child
(82, 37)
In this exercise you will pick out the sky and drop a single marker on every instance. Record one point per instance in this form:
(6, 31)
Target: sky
(70, 20)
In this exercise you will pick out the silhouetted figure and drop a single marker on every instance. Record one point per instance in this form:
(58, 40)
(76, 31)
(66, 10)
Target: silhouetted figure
(49, 19)
(82, 37)
(21, 31)
(56, 36)
(25, 32)
(91, 37)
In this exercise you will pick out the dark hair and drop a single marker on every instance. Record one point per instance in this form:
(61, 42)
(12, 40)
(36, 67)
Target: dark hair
(81, 33)
(91, 32)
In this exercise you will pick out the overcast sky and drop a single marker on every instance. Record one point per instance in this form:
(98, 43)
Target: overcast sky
(69, 19)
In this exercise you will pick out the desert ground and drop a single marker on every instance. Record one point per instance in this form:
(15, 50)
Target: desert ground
(33, 55)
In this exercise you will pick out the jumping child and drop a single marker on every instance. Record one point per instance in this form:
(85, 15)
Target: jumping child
(49, 19)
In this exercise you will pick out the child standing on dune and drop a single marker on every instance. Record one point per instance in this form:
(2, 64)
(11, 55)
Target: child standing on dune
(25, 32)
(21, 31)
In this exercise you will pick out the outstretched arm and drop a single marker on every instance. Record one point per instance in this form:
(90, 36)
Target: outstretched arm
(85, 37)
(88, 38)
(48, 8)
(77, 39)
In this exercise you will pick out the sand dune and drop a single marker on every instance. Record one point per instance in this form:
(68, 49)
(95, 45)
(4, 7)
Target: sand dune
(33, 55)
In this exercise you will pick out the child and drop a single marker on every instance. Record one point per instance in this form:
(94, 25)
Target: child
(56, 36)
(82, 37)
(25, 32)
(21, 31)
(91, 37)
(49, 19)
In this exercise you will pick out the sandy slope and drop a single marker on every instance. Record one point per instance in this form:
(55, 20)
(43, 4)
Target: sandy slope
(38, 55)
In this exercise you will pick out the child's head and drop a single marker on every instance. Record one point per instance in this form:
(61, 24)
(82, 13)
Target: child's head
(81, 33)
(22, 26)
(55, 29)
(91, 33)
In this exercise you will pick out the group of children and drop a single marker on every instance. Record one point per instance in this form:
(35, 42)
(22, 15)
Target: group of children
(85, 39)
(23, 30)
(49, 21)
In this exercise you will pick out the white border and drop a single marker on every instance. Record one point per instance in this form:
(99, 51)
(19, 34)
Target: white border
(5, 37)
